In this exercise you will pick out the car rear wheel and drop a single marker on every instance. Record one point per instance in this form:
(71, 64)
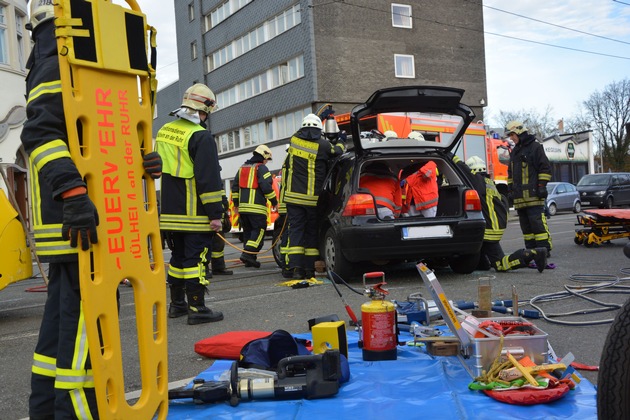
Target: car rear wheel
(335, 261)
(552, 209)
(577, 207)
(609, 203)
(464, 264)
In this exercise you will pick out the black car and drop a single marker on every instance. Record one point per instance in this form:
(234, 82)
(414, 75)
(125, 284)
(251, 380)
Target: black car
(351, 234)
(605, 189)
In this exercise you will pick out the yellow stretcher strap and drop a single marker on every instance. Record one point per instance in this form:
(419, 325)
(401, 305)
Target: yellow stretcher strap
(108, 88)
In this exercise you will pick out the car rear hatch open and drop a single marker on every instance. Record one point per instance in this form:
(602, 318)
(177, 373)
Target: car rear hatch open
(435, 112)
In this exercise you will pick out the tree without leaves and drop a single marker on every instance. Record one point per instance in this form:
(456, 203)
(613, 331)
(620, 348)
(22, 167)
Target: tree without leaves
(610, 112)
(542, 125)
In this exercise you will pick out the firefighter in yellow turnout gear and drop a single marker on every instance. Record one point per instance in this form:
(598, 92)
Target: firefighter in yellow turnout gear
(303, 174)
(251, 189)
(192, 206)
(495, 210)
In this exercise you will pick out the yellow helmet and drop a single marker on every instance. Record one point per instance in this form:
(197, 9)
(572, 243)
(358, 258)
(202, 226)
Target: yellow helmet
(264, 151)
(476, 164)
(515, 127)
(41, 10)
(200, 98)
(312, 120)
(416, 135)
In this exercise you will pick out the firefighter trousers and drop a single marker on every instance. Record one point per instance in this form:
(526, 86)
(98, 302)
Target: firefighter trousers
(254, 227)
(190, 256)
(301, 247)
(62, 385)
(500, 261)
(534, 227)
(218, 253)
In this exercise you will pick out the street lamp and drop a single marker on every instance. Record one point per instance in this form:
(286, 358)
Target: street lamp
(601, 146)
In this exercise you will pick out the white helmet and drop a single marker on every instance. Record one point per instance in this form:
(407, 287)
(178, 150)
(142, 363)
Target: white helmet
(41, 10)
(476, 164)
(515, 127)
(416, 135)
(390, 133)
(264, 151)
(200, 98)
(312, 120)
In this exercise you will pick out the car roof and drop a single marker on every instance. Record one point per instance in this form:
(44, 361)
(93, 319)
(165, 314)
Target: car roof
(413, 101)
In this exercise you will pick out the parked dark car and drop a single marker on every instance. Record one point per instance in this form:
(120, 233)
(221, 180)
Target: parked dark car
(562, 196)
(353, 237)
(605, 190)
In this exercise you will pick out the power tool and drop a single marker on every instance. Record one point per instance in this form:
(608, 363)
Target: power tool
(310, 377)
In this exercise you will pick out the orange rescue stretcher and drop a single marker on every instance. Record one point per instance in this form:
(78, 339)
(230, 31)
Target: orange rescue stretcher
(602, 225)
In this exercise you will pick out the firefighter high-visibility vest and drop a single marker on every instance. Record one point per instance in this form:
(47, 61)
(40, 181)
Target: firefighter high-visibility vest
(171, 143)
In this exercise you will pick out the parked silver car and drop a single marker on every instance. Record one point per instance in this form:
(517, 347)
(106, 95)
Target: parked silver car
(563, 196)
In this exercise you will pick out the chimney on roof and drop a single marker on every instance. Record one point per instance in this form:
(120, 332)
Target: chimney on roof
(561, 126)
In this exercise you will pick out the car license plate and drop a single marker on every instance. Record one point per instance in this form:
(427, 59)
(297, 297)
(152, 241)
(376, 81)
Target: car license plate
(586, 203)
(420, 232)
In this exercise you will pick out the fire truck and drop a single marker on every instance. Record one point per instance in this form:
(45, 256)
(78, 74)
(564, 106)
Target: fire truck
(477, 141)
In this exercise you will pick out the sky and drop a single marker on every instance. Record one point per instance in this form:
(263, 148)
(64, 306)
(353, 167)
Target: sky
(539, 53)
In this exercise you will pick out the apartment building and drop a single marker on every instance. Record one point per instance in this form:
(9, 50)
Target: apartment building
(271, 62)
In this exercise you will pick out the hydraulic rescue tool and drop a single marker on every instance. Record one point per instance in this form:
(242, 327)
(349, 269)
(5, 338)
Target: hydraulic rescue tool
(108, 87)
(297, 377)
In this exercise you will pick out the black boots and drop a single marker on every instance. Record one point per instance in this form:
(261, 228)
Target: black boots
(540, 258)
(249, 260)
(198, 312)
(178, 306)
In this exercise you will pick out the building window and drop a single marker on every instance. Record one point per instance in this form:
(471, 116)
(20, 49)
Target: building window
(257, 36)
(404, 66)
(19, 26)
(191, 12)
(4, 52)
(401, 16)
(193, 50)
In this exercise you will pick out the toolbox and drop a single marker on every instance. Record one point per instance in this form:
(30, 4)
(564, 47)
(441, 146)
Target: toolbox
(479, 348)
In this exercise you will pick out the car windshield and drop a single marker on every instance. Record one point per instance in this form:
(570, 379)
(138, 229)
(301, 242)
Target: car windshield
(588, 180)
(550, 188)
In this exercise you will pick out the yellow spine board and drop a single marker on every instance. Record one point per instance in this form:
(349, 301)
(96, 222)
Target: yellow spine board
(107, 90)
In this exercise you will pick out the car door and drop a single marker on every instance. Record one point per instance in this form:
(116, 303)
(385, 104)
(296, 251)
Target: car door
(624, 188)
(561, 196)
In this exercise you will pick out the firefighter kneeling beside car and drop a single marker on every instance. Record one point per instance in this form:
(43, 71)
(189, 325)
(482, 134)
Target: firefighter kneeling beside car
(251, 189)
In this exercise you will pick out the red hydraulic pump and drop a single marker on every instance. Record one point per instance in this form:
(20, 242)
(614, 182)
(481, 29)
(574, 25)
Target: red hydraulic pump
(378, 319)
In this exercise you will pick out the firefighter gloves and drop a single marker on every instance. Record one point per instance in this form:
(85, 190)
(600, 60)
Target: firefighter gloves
(542, 191)
(152, 163)
(79, 218)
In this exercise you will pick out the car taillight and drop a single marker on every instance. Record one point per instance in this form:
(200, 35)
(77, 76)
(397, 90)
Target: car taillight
(360, 205)
(472, 201)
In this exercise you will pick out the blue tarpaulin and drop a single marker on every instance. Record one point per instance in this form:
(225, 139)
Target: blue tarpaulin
(413, 386)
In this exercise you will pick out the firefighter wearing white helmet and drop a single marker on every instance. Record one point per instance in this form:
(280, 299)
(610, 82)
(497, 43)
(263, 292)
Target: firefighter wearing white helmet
(495, 207)
(252, 187)
(304, 170)
(191, 202)
(389, 134)
(40, 11)
(476, 164)
(416, 135)
(528, 173)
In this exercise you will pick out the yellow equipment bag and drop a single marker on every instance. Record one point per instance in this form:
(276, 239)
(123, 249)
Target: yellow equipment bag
(108, 87)
(15, 259)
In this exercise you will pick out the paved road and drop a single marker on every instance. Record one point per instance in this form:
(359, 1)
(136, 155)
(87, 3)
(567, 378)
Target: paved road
(252, 299)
